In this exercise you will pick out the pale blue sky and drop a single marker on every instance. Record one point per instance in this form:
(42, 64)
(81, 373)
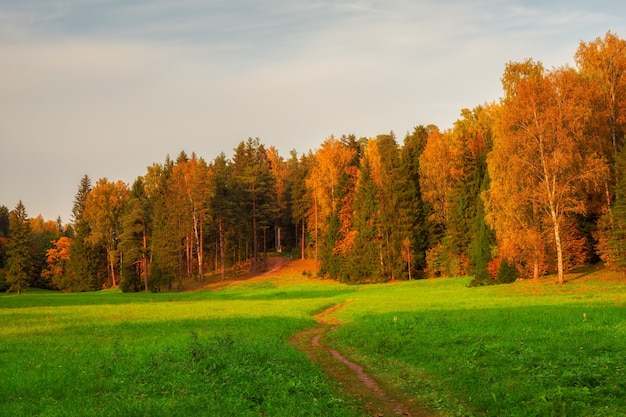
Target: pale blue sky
(105, 88)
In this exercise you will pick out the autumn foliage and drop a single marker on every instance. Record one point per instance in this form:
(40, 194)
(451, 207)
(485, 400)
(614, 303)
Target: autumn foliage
(527, 185)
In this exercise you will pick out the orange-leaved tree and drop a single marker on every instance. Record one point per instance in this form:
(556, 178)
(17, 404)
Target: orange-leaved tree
(56, 260)
(542, 164)
(332, 161)
(103, 212)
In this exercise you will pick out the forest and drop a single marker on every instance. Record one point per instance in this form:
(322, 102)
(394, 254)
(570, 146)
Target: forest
(531, 184)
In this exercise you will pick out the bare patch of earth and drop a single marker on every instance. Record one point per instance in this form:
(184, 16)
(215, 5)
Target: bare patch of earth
(373, 398)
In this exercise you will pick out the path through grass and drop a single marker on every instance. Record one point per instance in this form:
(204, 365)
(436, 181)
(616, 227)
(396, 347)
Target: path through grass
(527, 349)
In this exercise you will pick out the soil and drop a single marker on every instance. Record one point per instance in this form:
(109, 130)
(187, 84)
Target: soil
(372, 398)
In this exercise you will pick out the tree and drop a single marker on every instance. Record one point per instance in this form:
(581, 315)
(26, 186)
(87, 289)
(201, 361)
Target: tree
(435, 168)
(364, 262)
(190, 187)
(103, 212)
(330, 175)
(603, 63)
(86, 270)
(165, 246)
(134, 239)
(300, 202)
(541, 160)
(43, 234)
(222, 205)
(19, 259)
(612, 229)
(412, 203)
(57, 259)
(4, 234)
(257, 186)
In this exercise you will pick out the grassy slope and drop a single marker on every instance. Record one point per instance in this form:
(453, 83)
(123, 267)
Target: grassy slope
(525, 349)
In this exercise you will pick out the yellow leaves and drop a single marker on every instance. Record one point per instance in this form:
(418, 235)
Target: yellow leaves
(103, 208)
(542, 162)
(332, 161)
(436, 172)
(371, 157)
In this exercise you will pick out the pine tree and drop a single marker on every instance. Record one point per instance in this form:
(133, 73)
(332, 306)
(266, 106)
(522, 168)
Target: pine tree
(19, 258)
(223, 207)
(256, 184)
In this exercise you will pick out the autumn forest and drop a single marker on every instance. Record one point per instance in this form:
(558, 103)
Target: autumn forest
(532, 184)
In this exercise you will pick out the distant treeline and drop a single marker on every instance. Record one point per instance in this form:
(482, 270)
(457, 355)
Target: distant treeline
(532, 184)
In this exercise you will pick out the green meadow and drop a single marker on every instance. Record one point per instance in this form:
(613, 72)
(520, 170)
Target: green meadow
(525, 349)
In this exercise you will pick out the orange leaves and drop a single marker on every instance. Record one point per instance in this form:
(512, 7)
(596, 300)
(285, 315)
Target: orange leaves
(332, 161)
(542, 161)
(57, 257)
(436, 173)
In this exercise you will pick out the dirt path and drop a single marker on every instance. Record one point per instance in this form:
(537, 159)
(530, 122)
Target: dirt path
(374, 400)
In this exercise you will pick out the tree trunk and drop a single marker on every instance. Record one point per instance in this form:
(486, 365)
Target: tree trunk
(559, 248)
(316, 233)
(222, 252)
(200, 238)
(303, 231)
(408, 264)
(144, 259)
(112, 268)
(264, 248)
(255, 252)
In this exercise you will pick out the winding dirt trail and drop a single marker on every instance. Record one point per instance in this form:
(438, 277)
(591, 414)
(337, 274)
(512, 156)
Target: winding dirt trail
(374, 399)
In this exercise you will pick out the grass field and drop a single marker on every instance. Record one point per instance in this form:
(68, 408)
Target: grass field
(527, 349)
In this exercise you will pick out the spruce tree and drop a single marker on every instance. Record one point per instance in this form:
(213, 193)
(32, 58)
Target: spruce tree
(484, 241)
(85, 264)
(364, 261)
(616, 220)
(19, 258)
(4, 233)
(412, 203)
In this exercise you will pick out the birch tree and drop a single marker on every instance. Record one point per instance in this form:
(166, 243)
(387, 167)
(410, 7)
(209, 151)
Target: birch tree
(542, 163)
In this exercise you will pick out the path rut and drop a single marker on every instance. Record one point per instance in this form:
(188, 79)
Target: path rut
(374, 400)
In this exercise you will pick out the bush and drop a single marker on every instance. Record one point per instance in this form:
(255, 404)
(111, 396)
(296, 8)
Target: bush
(507, 273)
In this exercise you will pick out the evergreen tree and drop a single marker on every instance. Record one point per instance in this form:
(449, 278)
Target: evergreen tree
(300, 201)
(471, 141)
(86, 268)
(166, 243)
(223, 207)
(43, 234)
(612, 245)
(19, 258)
(481, 247)
(364, 261)
(4, 233)
(257, 186)
(412, 203)
(134, 240)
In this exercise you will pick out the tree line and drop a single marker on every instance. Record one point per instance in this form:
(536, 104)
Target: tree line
(534, 183)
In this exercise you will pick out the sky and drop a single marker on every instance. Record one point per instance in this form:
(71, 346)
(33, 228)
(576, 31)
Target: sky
(105, 88)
